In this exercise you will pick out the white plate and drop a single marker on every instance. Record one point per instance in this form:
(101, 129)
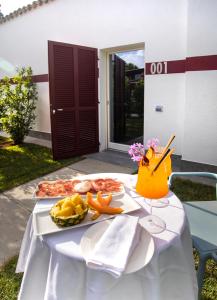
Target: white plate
(43, 224)
(122, 190)
(140, 257)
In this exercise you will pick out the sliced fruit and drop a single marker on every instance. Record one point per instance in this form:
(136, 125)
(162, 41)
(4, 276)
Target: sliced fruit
(150, 153)
(69, 211)
(78, 209)
(65, 212)
(110, 210)
(67, 203)
(103, 209)
(104, 201)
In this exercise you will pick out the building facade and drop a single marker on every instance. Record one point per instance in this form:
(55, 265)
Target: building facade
(179, 45)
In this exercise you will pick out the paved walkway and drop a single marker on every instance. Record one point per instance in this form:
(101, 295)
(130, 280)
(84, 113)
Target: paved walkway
(16, 204)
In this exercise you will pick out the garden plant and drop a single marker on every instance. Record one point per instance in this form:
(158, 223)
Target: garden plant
(18, 96)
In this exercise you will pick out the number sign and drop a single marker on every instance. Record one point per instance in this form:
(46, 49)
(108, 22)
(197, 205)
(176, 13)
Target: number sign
(158, 68)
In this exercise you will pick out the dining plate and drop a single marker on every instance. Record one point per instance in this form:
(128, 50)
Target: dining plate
(43, 224)
(140, 257)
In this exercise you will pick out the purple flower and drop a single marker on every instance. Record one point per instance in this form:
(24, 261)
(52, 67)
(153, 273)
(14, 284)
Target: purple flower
(136, 151)
(154, 143)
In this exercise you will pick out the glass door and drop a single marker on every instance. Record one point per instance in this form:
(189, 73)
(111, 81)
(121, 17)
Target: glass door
(126, 99)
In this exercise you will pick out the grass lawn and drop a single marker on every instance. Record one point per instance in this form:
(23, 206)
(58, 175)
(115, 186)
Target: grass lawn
(22, 163)
(9, 281)
(187, 190)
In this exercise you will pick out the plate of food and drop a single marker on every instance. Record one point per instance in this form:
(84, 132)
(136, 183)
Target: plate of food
(77, 210)
(61, 188)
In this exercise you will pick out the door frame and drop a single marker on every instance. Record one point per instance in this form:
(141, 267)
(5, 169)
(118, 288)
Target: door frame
(108, 52)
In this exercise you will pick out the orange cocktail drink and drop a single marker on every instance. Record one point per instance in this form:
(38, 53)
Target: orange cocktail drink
(151, 184)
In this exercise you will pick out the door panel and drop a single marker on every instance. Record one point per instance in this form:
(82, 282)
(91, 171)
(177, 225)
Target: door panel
(65, 134)
(63, 76)
(86, 78)
(87, 129)
(73, 79)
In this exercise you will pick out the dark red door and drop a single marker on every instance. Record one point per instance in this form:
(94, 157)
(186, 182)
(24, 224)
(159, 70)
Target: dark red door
(73, 81)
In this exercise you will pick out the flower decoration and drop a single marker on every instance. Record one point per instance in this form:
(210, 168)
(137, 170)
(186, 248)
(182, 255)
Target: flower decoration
(136, 151)
(154, 143)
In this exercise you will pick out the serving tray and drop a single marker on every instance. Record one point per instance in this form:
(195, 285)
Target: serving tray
(43, 224)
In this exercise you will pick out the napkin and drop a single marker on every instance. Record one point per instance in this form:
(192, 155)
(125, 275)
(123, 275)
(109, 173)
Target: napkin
(112, 251)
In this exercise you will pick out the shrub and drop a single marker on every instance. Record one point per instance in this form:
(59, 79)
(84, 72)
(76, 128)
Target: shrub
(18, 97)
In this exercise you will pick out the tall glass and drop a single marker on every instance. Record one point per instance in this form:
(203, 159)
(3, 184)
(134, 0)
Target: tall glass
(154, 187)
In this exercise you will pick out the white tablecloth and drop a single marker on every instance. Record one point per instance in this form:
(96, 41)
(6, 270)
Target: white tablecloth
(54, 268)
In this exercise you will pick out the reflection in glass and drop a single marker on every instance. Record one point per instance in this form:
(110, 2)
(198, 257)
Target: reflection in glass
(127, 97)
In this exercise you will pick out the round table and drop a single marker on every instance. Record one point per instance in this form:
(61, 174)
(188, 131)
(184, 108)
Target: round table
(54, 268)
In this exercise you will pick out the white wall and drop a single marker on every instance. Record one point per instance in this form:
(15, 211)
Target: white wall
(96, 23)
(168, 91)
(200, 134)
(202, 24)
(161, 25)
(200, 124)
(42, 123)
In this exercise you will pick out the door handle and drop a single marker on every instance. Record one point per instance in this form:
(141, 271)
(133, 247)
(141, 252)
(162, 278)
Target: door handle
(58, 109)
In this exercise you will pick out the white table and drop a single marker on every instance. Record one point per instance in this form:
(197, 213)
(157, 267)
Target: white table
(54, 268)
